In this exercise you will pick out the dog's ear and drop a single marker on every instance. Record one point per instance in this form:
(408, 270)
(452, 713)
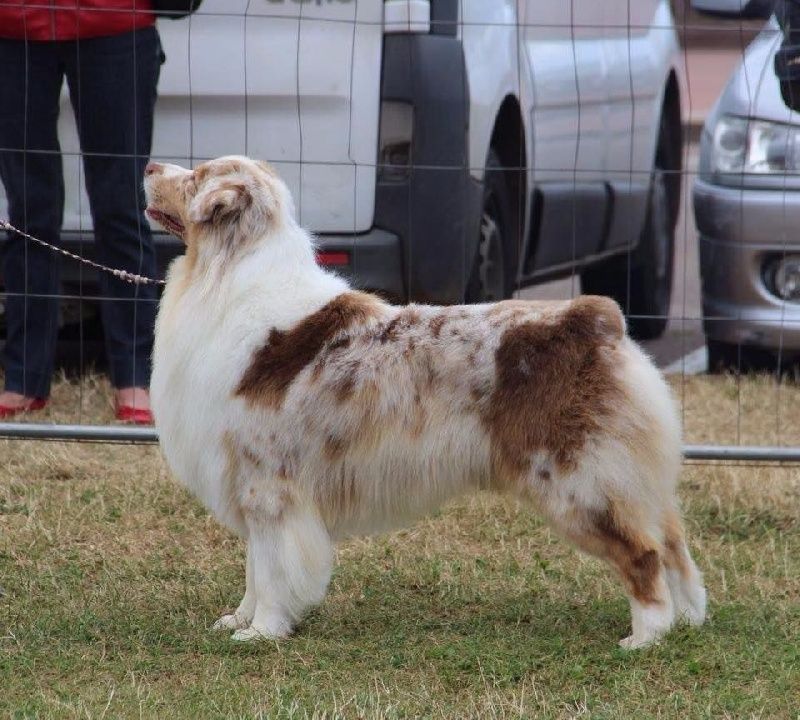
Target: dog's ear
(220, 201)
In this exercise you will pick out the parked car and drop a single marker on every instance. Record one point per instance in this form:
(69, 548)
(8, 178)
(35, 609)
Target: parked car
(747, 209)
(441, 150)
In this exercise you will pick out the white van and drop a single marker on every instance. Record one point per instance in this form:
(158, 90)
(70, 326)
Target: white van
(442, 150)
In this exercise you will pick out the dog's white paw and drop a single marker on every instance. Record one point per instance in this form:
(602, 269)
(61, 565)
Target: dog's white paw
(635, 643)
(691, 616)
(697, 615)
(230, 622)
(275, 626)
(249, 634)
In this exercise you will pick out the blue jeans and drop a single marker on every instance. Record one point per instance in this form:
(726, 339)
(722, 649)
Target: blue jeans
(112, 83)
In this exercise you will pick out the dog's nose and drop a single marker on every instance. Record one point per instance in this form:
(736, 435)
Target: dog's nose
(152, 168)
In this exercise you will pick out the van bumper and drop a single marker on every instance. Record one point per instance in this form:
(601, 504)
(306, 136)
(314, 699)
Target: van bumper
(372, 261)
(369, 261)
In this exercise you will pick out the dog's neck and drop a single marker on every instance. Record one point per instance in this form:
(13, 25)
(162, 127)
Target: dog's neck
(278, 274)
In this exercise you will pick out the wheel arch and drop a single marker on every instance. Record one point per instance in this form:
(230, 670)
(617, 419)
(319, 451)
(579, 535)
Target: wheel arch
(671, 112)
(509, 143)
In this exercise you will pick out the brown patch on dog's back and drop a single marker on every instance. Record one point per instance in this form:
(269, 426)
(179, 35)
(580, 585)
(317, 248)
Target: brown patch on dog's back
(436, 323)
(390, 331)
(399, 325)
(287, 352)
(554, 386)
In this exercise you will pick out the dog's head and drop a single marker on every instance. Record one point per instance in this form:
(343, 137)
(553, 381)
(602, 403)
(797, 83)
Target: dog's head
(222, 205)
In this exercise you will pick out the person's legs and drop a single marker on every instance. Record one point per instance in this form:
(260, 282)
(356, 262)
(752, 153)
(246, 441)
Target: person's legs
(31, 171)
(112, 83)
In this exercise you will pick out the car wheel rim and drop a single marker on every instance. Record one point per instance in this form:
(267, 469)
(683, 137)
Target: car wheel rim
(490, 250)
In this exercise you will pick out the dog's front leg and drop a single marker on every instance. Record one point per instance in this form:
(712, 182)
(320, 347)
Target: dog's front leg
(243, 615)
(291, 559)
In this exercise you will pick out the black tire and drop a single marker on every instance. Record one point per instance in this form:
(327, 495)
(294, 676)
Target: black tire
(495, 265)
(645, 297)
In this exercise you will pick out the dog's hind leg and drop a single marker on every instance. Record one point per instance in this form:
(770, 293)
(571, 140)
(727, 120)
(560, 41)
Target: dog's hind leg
(292, 557)
(651, 616)
(243, 615)
(684, 579)
(639, 563)
(612, 535)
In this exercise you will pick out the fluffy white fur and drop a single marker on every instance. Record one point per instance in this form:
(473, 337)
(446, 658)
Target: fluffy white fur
(396, 412)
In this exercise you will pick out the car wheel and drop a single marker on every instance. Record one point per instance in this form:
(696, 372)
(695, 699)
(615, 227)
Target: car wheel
(642, 283)
(495, 264)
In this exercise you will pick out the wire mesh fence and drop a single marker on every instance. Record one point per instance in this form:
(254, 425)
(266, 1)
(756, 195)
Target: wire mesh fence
(442, 152)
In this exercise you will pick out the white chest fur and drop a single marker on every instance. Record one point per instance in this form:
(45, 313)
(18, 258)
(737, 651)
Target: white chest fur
(205, 340)
(197, 358)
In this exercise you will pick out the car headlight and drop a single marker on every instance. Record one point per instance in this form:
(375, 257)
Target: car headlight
(742, 145)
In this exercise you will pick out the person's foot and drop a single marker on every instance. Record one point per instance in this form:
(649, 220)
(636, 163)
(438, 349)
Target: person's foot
(12, 403)
(133, 405)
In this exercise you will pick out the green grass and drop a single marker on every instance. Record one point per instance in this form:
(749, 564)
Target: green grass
(112, 575)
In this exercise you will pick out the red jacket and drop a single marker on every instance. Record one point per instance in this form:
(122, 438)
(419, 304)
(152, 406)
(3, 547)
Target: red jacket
(72, 19)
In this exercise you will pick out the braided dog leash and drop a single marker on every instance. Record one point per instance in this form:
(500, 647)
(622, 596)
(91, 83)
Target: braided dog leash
(124, 275)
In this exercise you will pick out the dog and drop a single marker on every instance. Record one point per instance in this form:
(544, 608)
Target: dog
(301, 411)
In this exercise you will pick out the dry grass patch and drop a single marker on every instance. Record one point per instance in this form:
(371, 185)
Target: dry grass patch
(112, 575)
(731, 410)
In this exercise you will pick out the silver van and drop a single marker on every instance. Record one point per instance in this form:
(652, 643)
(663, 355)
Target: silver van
(440, 150)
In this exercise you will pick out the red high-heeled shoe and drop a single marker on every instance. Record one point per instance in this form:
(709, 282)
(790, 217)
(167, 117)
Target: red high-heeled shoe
(8, 411)
(134, 415)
